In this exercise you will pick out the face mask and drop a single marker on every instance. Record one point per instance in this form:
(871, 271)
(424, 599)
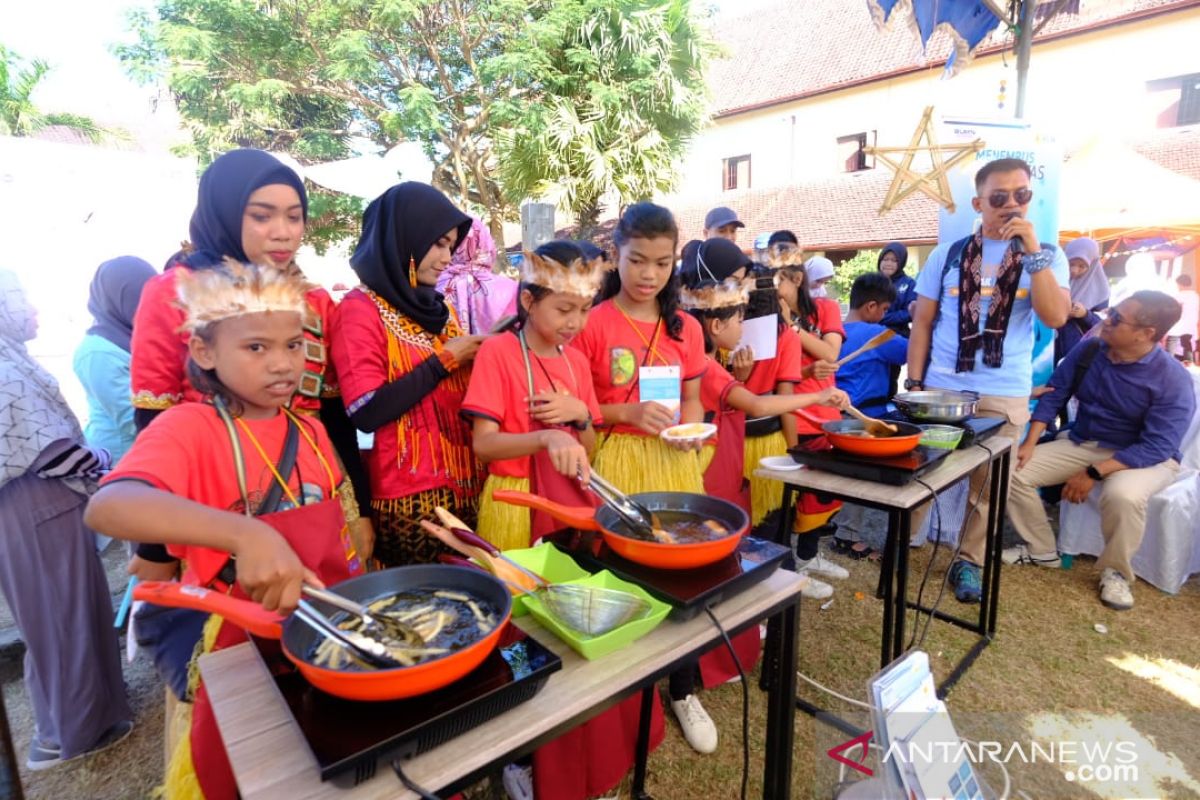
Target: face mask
(818, 292)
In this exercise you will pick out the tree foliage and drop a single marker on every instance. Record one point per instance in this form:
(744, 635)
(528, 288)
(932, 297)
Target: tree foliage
(18, 114)
(507, 97)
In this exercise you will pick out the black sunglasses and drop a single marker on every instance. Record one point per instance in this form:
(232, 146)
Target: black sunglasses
(1116, 319)
(999, 198)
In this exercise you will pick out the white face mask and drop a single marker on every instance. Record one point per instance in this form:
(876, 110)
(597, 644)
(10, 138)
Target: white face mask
(818, 292)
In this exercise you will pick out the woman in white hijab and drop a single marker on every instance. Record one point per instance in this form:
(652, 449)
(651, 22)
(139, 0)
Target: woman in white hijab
(1089, 294)
(1141, 273)
(50, 575)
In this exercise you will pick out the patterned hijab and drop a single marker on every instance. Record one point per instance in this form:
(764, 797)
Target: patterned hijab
(225, 188)
(399, 228)
(116, 290)
(33, 413)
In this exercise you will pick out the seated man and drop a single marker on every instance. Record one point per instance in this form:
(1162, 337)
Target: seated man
(1135, 404)
(866, 378)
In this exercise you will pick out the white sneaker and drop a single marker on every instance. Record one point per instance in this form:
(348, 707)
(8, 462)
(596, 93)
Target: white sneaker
(1021, 555)
(820, 565)
(518, 782)
(1114, 590)
(698, 727)
(814, 589)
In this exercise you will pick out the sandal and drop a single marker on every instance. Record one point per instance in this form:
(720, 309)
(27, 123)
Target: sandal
(843, 546)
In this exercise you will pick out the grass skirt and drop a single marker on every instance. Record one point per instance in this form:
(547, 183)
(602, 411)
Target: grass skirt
(765, 495)
(635, 463)
(503, 524)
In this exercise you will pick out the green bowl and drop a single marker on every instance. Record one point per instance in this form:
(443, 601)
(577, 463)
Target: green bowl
(942, 437)
(593, 647)
(548, 561)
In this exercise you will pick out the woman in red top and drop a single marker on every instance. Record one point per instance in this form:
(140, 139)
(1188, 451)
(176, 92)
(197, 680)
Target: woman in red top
(252, 208)
(203, 478)
(532, 399)
(818, 323)
(402, 360)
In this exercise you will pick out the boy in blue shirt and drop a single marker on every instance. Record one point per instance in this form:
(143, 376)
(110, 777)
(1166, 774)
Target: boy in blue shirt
(866, 378)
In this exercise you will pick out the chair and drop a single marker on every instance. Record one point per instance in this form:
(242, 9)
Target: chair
(1170, 550)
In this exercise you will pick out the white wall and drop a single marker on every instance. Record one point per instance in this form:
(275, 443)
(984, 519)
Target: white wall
(1090, 84)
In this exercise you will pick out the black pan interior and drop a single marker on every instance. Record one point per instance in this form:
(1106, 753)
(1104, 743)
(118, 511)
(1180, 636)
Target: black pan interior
(701, 505)
(299, 639)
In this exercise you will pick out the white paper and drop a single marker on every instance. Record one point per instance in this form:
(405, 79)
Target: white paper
(761, 335)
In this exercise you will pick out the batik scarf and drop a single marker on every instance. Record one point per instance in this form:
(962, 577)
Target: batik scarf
(970, 293)
(33, 413)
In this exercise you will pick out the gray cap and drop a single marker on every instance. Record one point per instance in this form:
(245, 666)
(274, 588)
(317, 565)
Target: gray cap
(721, 216)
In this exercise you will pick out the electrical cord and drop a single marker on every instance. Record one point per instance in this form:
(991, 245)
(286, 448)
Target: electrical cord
(424, 794)
(745, 700)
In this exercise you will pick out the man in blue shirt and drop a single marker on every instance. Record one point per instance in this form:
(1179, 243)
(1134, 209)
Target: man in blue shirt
(865, 378)
(1135, 405)
(973, 327)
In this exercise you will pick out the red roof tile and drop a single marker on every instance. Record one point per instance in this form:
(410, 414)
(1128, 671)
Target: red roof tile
(798, 48)
(1176, 149)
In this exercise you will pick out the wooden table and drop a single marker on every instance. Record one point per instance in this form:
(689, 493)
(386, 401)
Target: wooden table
(271, 759)
(899, 502)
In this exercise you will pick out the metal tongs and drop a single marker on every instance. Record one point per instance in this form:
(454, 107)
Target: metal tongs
(382, 622)
(636, 515)
(372, 651)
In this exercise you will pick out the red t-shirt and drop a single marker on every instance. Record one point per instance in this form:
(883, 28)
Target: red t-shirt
(360, 351)
(616, 347)
(715, 387)
(829, 320)
(159, 349)
(186, 451)
(499, 386)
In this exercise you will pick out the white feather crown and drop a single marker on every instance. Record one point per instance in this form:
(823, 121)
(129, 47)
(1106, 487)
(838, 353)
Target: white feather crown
(713, 296)
(581, 277)
(234, 289)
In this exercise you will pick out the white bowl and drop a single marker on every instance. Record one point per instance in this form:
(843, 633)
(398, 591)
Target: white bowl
(779, 463)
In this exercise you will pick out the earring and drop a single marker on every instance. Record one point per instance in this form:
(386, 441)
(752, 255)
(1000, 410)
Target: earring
(412, 271)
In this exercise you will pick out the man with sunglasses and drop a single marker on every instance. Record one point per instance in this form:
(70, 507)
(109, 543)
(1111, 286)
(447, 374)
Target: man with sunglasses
(973, 328)
(1135, 405)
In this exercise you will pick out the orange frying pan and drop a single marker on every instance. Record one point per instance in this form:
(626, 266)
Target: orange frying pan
(652, 554)
(848, 435)
(300, 641)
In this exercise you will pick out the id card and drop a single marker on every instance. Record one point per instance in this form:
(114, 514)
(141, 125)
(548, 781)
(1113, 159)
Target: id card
(661, 385)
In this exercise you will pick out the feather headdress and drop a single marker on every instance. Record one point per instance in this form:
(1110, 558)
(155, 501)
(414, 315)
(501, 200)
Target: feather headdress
(234, 289)
(581, 277)
(779, 257)
(712, 296)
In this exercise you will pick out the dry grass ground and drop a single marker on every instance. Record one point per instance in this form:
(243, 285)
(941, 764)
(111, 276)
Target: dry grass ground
(1048, 670)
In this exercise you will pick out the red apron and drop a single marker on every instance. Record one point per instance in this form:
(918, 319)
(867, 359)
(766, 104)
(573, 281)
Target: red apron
(317, 533)
(724, 479)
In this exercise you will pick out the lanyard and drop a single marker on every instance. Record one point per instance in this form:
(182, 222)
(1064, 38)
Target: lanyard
(650, 349)
(525, 352)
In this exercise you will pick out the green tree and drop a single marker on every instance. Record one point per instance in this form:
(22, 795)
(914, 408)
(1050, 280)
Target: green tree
(453, 75)
(844, 273)
(18, 114)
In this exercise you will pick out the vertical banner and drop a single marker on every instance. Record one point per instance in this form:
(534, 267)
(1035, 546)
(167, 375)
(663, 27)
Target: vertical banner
(1006, 139)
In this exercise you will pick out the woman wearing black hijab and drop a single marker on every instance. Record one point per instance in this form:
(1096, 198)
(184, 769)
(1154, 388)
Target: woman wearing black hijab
(250, 207)
(402, 360)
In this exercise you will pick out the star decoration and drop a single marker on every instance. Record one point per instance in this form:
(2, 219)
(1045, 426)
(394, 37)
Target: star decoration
(932, 183)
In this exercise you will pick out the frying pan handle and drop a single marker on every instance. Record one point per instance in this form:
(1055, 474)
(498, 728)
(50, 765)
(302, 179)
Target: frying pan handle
(580, 517)
(243, 613)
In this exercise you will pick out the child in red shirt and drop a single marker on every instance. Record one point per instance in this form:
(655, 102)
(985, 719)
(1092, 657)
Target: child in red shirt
(531, 397)
(199, 474)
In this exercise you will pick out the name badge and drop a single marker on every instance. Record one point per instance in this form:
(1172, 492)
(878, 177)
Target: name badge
(662, 385)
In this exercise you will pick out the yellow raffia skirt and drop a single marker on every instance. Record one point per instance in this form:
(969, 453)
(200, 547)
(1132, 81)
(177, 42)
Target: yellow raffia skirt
(635, 463)
(503, 524)
(180, 781)
(765, 495)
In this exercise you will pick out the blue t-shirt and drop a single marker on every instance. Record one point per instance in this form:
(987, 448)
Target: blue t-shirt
(1014, 377)
(866, 377)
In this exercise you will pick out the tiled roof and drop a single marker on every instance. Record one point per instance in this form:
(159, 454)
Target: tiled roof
(795, 48)
(1177, 149)
(835, 213)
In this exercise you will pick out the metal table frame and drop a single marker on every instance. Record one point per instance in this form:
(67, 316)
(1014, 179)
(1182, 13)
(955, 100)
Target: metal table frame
(893, 578)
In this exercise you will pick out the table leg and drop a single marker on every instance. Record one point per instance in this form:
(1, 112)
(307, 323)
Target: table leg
(1000, 503)
(646, 714)
(902, 549)
(887, 575)
(781, 707)
(783, 536)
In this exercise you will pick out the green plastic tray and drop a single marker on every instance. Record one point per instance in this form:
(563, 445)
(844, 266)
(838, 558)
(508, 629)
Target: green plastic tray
(548, 561)
(593, 647)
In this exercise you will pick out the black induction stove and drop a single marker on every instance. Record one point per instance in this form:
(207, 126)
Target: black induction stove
(818, 453)
(687, 591)
(347, 738)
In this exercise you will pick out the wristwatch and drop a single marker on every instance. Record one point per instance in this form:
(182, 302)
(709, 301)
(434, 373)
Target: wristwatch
(582, 424)
(1093, 473)
(1036, 262)
(913, 383)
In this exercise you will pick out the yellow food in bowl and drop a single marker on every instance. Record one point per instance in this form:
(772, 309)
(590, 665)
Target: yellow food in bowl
(686, 431)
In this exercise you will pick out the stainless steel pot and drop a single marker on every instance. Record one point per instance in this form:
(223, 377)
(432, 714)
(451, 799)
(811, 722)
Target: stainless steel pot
(937, 405)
